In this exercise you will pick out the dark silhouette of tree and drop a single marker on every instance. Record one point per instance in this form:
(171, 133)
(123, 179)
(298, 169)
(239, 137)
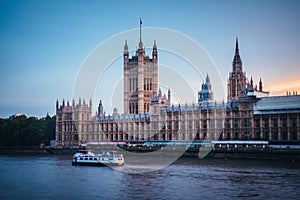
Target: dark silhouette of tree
(24, 131)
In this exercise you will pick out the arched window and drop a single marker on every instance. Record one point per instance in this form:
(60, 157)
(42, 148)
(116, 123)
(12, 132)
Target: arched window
(129, 107)
(133, 84)
(148, 85)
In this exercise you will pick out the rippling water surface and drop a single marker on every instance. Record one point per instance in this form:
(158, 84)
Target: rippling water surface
(53, 177)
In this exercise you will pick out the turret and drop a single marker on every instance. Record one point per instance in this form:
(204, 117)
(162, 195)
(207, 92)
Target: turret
(90, 104)
(205, 94)
(100, 109)
(260, 85)
(126, 53)
(57, 104)
(154, 51)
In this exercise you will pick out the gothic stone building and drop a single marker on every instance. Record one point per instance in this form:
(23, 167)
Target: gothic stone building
(149, 115)
(140, 79)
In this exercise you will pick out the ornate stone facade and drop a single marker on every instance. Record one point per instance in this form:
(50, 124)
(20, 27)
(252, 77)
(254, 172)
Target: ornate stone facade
(206, 93)
(237, 78)
(149, 115)
(140, 79)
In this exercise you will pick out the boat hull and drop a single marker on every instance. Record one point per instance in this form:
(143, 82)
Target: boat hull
(74, 163)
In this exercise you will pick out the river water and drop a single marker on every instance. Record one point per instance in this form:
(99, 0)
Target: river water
(53, 177)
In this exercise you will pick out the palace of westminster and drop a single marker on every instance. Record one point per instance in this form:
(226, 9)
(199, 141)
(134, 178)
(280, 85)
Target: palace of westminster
(249, 113)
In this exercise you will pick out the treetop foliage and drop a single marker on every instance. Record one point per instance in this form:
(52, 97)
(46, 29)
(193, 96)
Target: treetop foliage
(26, 131)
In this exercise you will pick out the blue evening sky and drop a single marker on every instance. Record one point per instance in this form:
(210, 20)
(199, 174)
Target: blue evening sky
(43, 43)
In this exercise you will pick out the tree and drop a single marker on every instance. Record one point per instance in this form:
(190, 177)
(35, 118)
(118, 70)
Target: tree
(23, 131)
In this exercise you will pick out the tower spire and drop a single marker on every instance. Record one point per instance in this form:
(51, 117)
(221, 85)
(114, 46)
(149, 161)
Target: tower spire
(125, 46)
(141, 43)
(237, 46)
(251, 83)
(207, 80)
(126, 54)
(237, 62)
(154, 51)
(237, 78)
(260, 85)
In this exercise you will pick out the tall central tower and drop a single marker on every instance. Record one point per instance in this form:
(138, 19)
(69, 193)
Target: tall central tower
(237, 78)
(140, 78)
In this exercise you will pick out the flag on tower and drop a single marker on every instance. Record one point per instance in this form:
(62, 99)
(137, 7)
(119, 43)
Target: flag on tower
(141, 21)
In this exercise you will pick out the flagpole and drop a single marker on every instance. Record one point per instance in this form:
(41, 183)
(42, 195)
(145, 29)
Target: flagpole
(140, 30)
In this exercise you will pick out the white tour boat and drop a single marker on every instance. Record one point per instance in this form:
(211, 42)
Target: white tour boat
(104, 158)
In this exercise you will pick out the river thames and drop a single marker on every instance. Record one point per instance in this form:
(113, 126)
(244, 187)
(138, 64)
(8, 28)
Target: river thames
(53, 177)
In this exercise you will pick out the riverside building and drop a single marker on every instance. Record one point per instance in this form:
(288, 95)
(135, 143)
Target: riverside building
(248, 114)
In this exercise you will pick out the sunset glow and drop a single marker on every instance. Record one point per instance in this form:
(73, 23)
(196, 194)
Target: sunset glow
(44, 43)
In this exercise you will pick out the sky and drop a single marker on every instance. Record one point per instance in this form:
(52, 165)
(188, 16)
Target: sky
(44, 43)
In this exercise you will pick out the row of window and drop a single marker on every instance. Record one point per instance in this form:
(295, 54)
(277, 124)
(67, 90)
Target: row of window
(236, 123)
(199, 135)
(133, 84)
